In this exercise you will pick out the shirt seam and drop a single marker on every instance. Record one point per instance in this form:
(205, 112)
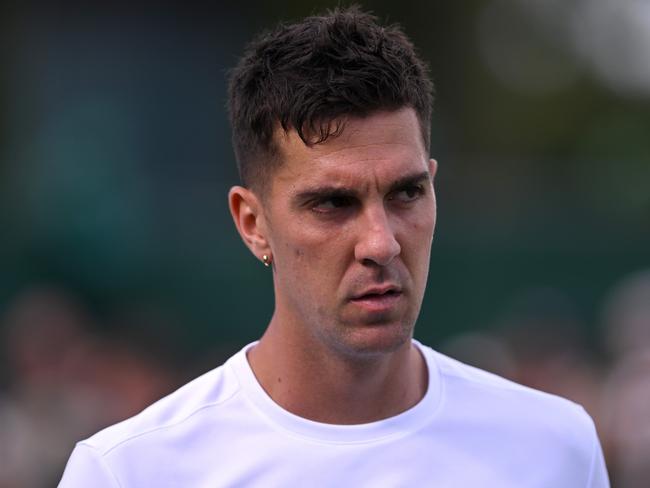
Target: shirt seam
(170, 425)
(278, 426)
(316, 440)
(103, 461)
(516, 387)
(594, 449)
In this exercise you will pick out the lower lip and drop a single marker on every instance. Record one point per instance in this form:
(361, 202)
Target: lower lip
(378, 303)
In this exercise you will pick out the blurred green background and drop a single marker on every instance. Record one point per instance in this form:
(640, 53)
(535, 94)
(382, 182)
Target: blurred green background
(115, 157)
(122, 276)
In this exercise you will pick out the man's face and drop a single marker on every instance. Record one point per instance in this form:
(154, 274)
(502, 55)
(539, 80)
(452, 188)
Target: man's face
(349, 223)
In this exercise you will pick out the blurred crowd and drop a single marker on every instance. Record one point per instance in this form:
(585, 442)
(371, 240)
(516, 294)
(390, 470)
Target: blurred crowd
(541, 341)
(65, 377)
(113, 146)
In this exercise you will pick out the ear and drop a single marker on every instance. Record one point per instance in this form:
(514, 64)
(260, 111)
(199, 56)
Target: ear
(246, 211)
(433, 168)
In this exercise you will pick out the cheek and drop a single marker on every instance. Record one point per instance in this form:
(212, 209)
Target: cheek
(308, 243)
(300, 252)
(316, 260)
(419, 228)
(416, 240)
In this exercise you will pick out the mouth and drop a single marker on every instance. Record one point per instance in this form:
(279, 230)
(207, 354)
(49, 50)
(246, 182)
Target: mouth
(388, 289)
(373, 295)
(378, 299)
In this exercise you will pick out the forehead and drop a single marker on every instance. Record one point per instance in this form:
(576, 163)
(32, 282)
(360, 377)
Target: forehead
(376, 149)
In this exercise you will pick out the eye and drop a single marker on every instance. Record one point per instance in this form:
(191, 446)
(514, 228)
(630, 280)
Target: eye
(331, 204)
(407, 194)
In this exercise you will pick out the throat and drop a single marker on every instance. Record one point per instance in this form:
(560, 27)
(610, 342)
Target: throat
(338, 391)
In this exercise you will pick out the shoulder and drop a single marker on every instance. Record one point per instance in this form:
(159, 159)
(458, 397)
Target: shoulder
(528, 433)
(462, 379)
(474, 395)
(178, 410)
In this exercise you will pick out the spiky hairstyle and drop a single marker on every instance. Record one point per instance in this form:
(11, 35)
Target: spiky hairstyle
(308, 76)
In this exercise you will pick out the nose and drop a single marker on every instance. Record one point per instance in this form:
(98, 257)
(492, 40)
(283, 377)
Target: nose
(376, 244)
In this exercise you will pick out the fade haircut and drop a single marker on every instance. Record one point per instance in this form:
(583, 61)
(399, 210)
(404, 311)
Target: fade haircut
(308, 76)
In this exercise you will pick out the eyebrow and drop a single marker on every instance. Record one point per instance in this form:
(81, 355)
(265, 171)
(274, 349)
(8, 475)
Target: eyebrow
(410, 180)
(329, 191)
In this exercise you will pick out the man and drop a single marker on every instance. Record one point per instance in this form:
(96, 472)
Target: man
(331, 120)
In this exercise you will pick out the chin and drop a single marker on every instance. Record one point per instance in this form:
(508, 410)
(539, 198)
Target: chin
(373, 340)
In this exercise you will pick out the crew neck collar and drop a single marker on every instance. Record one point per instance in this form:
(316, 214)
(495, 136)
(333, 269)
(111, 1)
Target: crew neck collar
(399, 425)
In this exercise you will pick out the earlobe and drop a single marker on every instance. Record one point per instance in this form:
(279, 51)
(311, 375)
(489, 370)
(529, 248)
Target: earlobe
(246, 211)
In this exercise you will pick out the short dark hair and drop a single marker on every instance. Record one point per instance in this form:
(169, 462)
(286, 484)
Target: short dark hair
(306, 76)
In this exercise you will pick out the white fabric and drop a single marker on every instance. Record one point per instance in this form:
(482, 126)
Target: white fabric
(472, 429)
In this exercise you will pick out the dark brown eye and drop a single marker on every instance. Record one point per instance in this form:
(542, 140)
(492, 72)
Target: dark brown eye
(332, 203)
(408, 194)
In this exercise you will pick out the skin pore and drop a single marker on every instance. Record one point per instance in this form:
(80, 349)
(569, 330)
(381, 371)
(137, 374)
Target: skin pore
(349, 224)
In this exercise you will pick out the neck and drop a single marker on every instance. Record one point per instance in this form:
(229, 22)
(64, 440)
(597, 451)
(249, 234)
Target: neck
(308, 380)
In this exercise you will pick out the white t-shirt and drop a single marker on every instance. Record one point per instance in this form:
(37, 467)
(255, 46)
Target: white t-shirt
(471, 429)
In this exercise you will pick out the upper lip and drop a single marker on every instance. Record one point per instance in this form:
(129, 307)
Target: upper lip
(377, 290)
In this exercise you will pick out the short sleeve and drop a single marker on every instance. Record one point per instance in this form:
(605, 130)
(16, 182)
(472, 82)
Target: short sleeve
(598, 477)
(86, 467)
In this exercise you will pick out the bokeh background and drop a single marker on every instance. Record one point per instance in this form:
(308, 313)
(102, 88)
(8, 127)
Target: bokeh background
(121, 275)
